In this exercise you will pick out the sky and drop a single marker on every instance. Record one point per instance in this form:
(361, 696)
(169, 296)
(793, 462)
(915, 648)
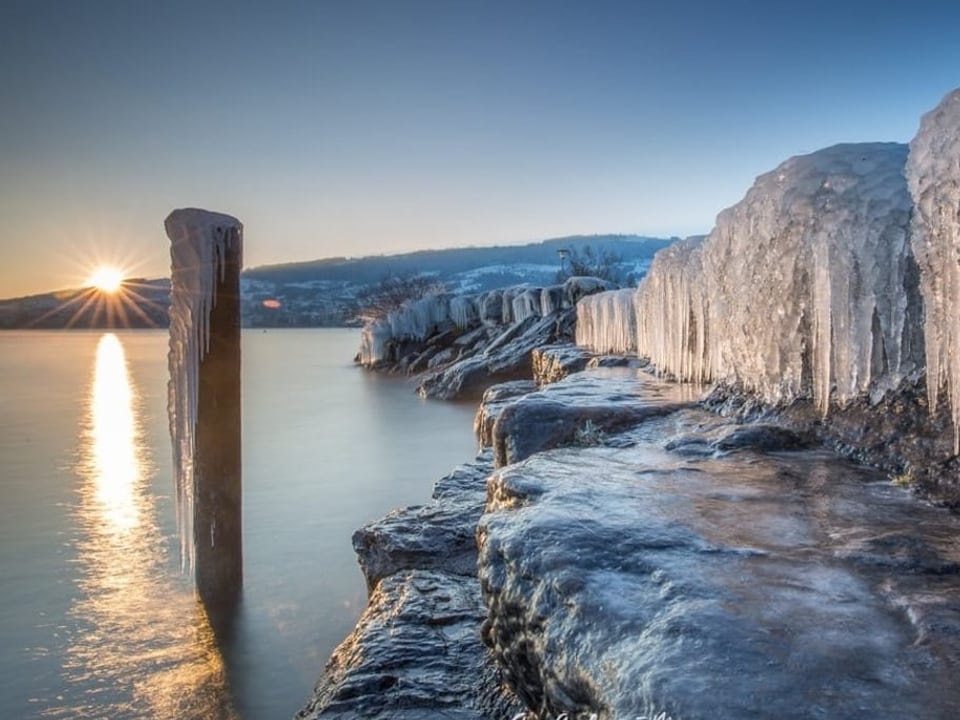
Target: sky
(358, 127)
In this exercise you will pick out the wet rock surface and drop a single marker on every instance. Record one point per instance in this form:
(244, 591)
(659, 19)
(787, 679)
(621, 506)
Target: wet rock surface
(495, 399)
(508, 356)
(553, 363)
(896, 433)
(748, 580)
(579, 410)
(416, 651)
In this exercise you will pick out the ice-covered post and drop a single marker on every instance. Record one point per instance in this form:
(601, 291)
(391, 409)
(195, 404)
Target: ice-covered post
(206, 254)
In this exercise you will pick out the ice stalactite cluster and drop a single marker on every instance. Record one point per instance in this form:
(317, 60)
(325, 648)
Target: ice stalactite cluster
(933, 175)
(671, 312)
(200, 242)
(801, 290)
(519, 303)
(805, 277)
(417, 320)
(606, 322)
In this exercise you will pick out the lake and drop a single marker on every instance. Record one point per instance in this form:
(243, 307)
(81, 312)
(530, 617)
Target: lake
(96, 619)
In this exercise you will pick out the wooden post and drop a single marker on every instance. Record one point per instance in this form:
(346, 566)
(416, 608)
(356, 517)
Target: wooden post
(207, 256)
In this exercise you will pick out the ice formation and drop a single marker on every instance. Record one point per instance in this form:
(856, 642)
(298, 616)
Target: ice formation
(671, 312)
(526, 304)
(800, 290)
(606, 322)
(933, 175)
(418, 319)
(199, 244)
(805, 277)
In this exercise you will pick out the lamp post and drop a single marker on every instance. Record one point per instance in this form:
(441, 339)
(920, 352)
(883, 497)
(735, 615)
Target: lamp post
(563, 253)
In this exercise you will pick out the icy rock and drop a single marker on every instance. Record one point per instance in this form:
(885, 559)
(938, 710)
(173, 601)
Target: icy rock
(416, 651)
(415, 654)
(633, 582)
(578, 410)
(414, 321)
(507, 357)
(553, 363)
(806, 287)
(933, 174)
(491, 307)
(527, 305)
(436, 536)
(552, 299)
(580, 286)
(495, 398)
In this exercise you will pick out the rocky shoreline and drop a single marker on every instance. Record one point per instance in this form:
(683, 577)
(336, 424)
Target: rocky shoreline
(416, 651)
(619, 574)
(643, 552)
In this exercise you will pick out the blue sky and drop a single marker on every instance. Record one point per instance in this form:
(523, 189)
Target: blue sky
(352, 128)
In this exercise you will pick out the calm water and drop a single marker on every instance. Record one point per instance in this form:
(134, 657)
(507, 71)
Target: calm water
(95, 619)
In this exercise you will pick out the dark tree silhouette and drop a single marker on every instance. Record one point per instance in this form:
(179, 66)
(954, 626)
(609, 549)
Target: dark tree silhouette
(604, 264)
(392, 291)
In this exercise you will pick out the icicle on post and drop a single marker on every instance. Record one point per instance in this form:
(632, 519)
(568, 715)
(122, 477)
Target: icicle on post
(206, 254)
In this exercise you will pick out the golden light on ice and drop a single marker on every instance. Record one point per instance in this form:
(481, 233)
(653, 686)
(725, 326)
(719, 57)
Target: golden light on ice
(106, 279)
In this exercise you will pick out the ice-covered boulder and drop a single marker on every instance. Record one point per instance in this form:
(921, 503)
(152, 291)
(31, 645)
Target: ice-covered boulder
(933, 174)
(625, 583)
(466, 343)
(415, 320)
(805, 288)
(806, 277)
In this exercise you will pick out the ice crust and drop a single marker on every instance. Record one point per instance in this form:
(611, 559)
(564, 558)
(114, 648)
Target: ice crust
(799, 291)
(418, 319)
(933, 175)
(199, 243)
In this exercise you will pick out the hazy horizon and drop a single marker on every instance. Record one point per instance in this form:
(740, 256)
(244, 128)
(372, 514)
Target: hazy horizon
(352, 129)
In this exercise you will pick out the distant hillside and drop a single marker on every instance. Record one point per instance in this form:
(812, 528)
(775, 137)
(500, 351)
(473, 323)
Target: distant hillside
(322, 293)
(449, 263)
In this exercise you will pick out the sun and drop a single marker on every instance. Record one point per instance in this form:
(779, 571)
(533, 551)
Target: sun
(106, 279)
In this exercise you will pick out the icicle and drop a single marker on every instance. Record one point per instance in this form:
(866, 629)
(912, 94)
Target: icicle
(464, 311)
(525, 304)
(799, 290)
(551, 300)
(933, 175)
(199, 241)
(671, 313)
(606, 322)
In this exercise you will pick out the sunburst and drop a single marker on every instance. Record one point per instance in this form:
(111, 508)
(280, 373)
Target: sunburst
(106, 279)
(108, 301)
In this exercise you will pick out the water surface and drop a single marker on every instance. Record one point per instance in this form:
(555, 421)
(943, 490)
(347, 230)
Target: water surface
(95, 618)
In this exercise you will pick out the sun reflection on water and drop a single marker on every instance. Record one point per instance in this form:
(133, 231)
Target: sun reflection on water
(117, 467)
(142, 645)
